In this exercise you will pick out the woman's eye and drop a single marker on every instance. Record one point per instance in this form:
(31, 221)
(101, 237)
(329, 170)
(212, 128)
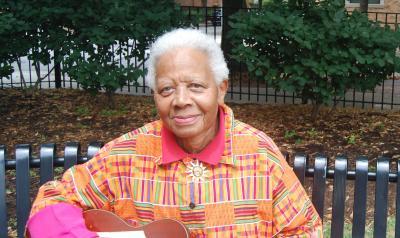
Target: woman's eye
(196, 85)
(166, 90)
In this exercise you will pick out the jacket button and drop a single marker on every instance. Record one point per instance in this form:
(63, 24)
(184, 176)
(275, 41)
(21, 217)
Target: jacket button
(192, 205)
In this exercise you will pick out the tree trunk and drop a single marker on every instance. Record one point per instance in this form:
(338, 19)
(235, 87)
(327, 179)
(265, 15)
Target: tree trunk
(364, 6)
(110, 99)
(57, 69)
(315, 111)
(21, 75)
(38, 82)
(229, 8)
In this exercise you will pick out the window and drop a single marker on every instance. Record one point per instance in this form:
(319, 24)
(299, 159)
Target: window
(371, 3)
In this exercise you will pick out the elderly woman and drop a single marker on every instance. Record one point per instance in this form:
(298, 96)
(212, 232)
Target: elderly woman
(197, 164)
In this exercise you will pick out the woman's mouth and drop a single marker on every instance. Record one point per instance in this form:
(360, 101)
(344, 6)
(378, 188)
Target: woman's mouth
(185, 120)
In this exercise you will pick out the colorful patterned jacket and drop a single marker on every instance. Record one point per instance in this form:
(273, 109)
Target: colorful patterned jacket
(248, 191)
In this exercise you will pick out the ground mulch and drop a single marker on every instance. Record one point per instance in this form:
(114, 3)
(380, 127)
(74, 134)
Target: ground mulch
(62, 115)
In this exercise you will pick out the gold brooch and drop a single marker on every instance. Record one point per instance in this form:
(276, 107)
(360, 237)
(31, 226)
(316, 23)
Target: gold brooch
(197, 171)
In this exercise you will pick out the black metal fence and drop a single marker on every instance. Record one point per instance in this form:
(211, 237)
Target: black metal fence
(243, 88)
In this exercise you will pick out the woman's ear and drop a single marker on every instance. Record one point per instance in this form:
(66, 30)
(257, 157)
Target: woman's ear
(222, 89)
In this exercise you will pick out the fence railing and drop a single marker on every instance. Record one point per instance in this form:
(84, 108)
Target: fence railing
(243, 88)
(390, 19)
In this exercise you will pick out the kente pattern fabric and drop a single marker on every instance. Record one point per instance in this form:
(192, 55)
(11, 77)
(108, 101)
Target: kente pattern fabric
(251, 192)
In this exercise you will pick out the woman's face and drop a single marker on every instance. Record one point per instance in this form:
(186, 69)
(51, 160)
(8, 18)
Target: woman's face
(186, 94)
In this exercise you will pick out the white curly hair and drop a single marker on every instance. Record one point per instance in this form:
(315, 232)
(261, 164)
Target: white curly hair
(185, 37)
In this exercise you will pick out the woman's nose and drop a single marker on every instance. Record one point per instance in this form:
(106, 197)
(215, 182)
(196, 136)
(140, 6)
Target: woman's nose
(182, 97)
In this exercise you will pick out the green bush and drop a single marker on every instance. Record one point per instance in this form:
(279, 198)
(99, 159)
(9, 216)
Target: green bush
(32, 29)
(106, 29)
(88, 37)
(13, 40)
(317, 50)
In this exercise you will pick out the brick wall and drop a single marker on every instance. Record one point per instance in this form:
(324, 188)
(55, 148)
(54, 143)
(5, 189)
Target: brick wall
(388, 6)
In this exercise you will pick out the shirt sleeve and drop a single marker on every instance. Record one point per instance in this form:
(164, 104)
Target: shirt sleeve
(82, 186)
(293, 212)
(61, 220)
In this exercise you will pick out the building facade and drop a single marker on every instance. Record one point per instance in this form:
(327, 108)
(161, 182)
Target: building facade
(200, 3)
(389, 6)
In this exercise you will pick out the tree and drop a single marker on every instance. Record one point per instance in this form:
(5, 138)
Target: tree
(11, 48)
(317, 52)
(88, 37)
(114, 28)
(33, 29)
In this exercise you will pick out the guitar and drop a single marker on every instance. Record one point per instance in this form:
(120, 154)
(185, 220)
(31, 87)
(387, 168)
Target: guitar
(104, 221)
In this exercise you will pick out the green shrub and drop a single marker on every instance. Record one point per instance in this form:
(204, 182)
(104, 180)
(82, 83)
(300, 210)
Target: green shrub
(14, 43)
(108, 29)
(88, 37)
(317, 50)
(32, 29)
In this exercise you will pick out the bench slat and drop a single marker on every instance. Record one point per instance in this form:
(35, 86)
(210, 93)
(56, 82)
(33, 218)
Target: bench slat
(319, 184)
(381, 197)
(23, 154)
(360, 197)
(320, 173)
(397, 231)
(93, 148)
(3, 208)
(71, 154)
(339, 197)
(299, 166)
(47, 155)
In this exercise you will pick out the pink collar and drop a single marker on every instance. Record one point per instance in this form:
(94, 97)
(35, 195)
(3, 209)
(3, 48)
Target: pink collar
(212, 154)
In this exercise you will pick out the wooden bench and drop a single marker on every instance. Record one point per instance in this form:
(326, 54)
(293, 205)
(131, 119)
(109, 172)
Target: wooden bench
(318, 172)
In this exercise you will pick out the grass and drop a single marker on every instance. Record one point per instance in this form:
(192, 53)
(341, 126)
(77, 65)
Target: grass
(114, 112)
(82, 111)
(352, 139)
(369, 230)
(290, 134)
(312, 133)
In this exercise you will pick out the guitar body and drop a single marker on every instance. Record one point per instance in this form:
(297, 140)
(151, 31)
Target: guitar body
(104, 221)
